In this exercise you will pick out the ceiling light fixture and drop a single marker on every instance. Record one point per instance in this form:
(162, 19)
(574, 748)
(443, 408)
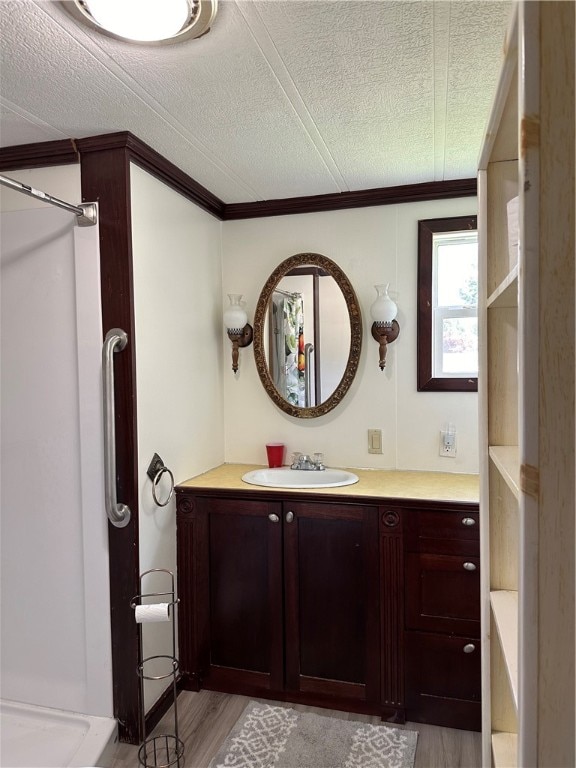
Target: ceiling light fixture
(152, 22)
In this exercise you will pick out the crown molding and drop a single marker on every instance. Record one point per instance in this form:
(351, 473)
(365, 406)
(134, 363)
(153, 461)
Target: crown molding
(152, 161)
(69, 151)
(44, 153)
(407, 193)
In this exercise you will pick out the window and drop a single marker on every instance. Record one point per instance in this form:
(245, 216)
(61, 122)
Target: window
(447, 305)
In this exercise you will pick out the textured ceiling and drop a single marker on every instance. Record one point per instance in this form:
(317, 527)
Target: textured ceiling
(282, 98)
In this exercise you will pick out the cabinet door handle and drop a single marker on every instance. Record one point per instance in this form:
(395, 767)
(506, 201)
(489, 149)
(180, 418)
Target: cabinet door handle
(469, 648)
(468, 521)
(469, 567)
(273, 517)
(289, 517)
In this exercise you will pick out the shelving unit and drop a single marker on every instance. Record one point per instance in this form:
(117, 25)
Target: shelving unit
(527, 397)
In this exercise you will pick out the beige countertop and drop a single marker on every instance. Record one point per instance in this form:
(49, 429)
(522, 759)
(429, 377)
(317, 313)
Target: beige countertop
(434, 486)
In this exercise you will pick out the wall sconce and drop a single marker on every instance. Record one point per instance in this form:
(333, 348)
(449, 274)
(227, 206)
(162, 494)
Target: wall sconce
(236, 323)
(384, 328)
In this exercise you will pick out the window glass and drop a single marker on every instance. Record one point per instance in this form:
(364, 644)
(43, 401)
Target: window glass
(455, 300)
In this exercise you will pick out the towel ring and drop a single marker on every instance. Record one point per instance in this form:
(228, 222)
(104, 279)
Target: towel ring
(155, 482)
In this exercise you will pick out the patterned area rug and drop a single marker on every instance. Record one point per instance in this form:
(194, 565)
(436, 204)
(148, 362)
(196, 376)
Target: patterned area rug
(269, 736)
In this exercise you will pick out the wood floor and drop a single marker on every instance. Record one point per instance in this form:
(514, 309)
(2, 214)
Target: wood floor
(206, 718)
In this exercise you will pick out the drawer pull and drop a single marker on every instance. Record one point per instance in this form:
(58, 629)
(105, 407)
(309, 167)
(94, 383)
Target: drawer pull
(273, 517)
(469, 648)
(468, 521)
(469, 567)
(289, 517)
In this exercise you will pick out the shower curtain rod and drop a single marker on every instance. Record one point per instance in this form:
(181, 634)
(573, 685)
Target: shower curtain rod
(287, 293)
(86, 213)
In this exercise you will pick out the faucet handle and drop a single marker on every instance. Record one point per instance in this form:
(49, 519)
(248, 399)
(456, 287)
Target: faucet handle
(296, 458)
(319, 460)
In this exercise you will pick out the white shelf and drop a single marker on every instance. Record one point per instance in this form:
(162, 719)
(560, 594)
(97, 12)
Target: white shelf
(506, 295)
(505, 750)
(506, 460)
(505, 611)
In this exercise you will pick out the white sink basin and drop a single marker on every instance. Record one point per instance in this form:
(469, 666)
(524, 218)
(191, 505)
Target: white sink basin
(284, 477)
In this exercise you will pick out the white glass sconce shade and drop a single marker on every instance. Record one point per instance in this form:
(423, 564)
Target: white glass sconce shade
(240, 332)
(383, 310)
(235, 317)
(385, 328)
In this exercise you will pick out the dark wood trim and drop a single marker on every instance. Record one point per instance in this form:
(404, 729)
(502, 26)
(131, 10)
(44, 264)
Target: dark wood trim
(44, 153)
(106, 180)
(186, 542)
(391, 607)
(153, 162)
(68, 151)
(279, 494)
(318, 686)
(300, 697)
(426, 381)
(407, 193)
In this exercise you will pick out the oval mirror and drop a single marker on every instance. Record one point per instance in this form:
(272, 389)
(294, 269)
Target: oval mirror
(307, 335)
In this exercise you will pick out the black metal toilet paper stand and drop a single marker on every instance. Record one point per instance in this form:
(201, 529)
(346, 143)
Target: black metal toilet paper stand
(165, 749)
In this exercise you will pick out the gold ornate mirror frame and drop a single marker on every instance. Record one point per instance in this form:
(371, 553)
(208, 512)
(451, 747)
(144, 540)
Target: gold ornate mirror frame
(301, 260)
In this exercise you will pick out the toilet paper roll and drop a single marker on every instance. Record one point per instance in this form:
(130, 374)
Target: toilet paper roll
(154, 612)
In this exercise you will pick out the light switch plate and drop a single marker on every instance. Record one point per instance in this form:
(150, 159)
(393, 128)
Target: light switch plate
(374, 441)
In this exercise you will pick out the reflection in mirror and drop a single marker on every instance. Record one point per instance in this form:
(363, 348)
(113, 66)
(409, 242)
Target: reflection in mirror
(308, 336)
(309, 332)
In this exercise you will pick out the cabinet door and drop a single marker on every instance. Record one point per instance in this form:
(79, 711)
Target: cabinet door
(331, 587)
(443, 680)
(443, 593)
(243, 572)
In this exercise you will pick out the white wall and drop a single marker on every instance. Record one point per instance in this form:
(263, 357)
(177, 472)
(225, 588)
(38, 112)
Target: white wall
(61, 181)
(55, 591)
(372, 245)
(178, 311)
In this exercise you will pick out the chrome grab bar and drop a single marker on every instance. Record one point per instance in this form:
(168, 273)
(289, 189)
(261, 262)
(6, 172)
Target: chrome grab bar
(118, 514)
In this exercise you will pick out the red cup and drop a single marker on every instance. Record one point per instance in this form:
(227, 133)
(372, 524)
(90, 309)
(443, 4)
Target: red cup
(275, 453)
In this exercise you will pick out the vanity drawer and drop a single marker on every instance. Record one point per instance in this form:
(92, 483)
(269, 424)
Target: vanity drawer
(442, 593)
(443, 685)
(443, 532)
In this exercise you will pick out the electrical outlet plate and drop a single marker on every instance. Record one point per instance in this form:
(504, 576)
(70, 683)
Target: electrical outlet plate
(374, 441)
(447, 444)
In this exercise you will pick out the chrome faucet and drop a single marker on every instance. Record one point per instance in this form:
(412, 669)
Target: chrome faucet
(304, 461)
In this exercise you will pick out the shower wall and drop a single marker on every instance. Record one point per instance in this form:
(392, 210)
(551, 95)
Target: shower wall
(54, 553)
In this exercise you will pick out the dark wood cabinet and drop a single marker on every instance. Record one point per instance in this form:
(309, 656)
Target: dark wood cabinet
(283, 596)
(350, 604)
(442, 619)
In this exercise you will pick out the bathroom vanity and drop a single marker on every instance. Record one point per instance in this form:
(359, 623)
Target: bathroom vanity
(362, 598)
